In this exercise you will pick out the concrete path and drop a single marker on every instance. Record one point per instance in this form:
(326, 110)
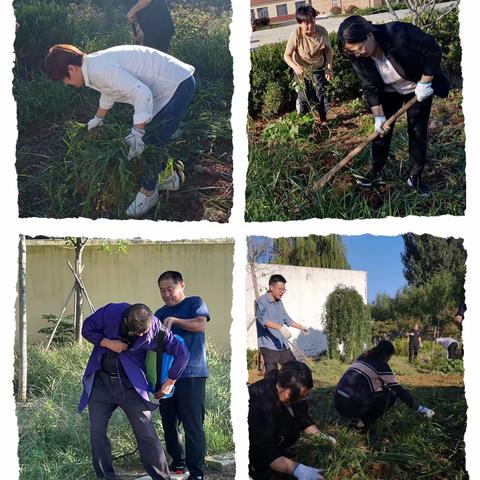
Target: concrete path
(280, 34)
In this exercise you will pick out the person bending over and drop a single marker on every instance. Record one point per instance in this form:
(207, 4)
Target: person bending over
(394, 62)
(159, 87)
(369, 388)
(277, 415)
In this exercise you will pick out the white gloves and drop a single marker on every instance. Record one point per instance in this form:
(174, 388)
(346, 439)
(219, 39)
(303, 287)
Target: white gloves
(94, 122)
(328, 438)
(135, 142)
(379, 121)
(423, 91)
(285, 332)
(302, 472)
(425, 411)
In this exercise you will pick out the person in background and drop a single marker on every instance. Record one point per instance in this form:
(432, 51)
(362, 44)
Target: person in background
(186, 317)
(271, 318)
(460, 315)
(159, 87)
(449, 344)
(155, 21)
(414, 343)
(369, 388)
(310, 55)
(115, 377)
(277, 415)
(394, 62)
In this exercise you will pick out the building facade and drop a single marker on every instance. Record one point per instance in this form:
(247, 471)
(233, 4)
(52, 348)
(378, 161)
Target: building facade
(307, 292)
(284, 10)
(130, 277)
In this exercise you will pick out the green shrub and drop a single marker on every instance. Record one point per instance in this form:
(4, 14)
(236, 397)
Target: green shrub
(273, 100)
(201, 39)
(446, 31)
(347, 321)
(351, 9)
(41, 26)
(64, 332)
(268, 67)
(289, 128)
(336, 10)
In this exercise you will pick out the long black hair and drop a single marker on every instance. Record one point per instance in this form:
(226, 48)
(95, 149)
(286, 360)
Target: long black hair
(383, 350)
(353, 29)
(295, 375)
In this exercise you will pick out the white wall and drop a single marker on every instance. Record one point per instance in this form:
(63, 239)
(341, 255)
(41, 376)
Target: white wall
(304, 300)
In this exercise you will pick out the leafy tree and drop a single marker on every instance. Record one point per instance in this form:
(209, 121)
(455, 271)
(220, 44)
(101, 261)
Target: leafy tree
(425, 256)
(311, 251)
(348, 322)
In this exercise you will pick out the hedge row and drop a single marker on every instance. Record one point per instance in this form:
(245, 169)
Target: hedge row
(271, 91)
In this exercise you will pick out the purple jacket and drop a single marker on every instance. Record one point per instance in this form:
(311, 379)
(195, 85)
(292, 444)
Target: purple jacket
(105, 323)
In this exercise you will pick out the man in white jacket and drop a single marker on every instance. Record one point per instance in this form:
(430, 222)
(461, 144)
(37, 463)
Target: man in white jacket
(159, 87)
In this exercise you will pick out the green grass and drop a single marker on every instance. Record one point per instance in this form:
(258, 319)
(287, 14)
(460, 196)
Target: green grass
(280, 174)
(54, 439)
(405, 446)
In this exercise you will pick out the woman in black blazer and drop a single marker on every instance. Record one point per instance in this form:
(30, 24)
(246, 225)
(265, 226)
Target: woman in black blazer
(394, 62)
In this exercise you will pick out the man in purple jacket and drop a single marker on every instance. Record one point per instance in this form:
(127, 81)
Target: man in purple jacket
(115, 377)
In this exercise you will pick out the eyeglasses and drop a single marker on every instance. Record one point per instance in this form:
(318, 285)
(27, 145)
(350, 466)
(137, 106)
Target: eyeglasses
(357, 51)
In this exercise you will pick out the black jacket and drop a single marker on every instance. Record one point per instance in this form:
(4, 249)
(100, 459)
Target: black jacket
(411, 52)
(272, 429)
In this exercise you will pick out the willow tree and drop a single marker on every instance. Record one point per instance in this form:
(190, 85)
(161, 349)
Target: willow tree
(311, 251)
(348, 323)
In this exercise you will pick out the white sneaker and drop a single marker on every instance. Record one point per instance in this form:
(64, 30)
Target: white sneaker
(172, 182)
(142, 204)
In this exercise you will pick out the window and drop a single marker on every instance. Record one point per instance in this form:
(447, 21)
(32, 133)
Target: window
(282, 10)
(262, 12)
(299, 4)
(335, 3)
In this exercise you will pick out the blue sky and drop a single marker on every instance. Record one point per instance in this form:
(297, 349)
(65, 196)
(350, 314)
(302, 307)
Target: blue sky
(380, 257)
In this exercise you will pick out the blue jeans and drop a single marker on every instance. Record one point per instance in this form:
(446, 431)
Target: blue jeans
(163, 125)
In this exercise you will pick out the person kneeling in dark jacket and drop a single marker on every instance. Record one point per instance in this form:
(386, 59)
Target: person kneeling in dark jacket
(369, 388)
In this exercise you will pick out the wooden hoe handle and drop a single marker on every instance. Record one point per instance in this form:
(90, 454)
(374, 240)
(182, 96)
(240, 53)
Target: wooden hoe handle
(328, 176)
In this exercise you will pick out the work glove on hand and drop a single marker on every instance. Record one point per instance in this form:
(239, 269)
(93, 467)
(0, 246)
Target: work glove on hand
(379, 121)
(135, 142)
(425, 411)
(328, 438)
(423, 91)
(94, 122)
(302, 472)
(285, 332)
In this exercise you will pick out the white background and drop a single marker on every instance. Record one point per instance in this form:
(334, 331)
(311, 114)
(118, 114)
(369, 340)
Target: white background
(465, 227)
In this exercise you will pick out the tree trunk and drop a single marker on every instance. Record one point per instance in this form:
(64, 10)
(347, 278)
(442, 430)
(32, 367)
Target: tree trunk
(22, 320)
(79, 246)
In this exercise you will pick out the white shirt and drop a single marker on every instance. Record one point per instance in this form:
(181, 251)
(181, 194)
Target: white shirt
(445, 341)
(141, 76)
(391, 78)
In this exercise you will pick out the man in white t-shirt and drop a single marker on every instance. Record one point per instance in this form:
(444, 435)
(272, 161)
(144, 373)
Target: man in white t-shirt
(159, 87)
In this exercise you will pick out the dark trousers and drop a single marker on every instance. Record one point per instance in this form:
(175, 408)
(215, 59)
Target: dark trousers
(452, 348)
(368, 408)
(313, 96)
(159, 40)
(417, 119)
(159, 131)
(412, 352)
(186, 406)
(272, 358)
(108, 394)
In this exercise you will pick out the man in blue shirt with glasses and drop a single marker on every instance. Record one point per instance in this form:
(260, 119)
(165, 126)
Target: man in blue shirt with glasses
(271, 318)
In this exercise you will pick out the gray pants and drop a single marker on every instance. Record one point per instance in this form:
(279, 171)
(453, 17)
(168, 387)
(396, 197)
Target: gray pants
(107, 394)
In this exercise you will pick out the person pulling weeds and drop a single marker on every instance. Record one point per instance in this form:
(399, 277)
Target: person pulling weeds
(369, 388)
(160, 88)
(395, 62)
(278, 414)
(310, 55)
